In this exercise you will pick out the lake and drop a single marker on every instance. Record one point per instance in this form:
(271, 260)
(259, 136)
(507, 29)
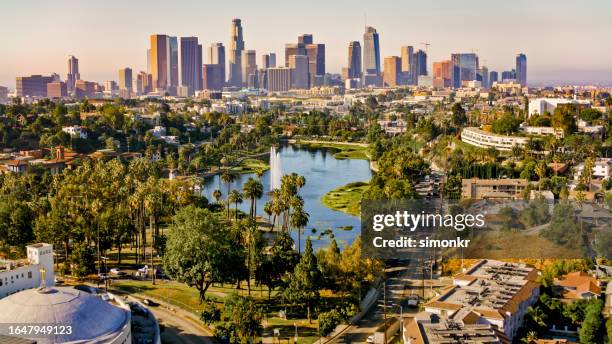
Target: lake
(323, 173)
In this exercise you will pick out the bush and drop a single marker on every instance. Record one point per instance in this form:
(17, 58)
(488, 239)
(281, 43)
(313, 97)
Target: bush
(328, 321)
(210, 313)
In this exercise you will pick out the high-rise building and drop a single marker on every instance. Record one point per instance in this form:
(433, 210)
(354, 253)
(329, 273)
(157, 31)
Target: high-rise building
(262, 78)
(213, 76)
(371, 51)
(249, 65)
(508, 75)
(393, 67)
(34, 85)
(265, 61)
(407, 72)
(236, 47)
(84, 89)
(293, 49)
(174, 61)
(305, 39)
(160, 61)
(354, 60)
(443, 74)
(493, 77)
(279, 79)
(521, 69)
(216, 56)
(73, 73)
(316, 60)
(482, 75)
(3, 95)
(465, 65)
(144, 83)
(110, 85)
(57, 89)
(125, 79)
(272, 60)
(420, 63)
(191, 64)
(299, 68)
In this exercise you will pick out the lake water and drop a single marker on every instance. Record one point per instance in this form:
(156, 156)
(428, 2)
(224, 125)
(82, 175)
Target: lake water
(323, 173)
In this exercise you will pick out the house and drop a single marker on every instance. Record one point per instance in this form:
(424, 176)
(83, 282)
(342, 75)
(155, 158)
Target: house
(16, 165)
(76, 130)
(577, 285)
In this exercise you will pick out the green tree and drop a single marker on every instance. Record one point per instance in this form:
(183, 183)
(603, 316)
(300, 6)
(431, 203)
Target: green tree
(241, 317)
(590, 329)
(304, 283)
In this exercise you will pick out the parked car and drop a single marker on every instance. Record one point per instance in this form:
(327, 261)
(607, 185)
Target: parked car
(117, 272)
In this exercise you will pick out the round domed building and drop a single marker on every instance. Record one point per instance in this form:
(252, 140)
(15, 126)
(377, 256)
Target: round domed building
(76, 316)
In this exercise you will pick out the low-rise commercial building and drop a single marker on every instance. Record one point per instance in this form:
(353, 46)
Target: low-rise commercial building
(480, 138)
(500, 189)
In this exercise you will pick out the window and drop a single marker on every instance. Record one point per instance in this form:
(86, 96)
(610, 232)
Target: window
(30, 274)
(0, 282)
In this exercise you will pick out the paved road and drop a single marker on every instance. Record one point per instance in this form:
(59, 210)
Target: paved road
(179, 329)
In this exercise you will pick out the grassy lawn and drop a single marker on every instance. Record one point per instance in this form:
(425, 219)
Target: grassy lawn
(346, 198)
(249, 165)
(344, 151)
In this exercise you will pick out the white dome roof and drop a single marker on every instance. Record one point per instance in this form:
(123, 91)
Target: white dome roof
(90, 316)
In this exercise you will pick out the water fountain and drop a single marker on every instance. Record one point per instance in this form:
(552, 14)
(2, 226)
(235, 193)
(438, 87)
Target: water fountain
(275, 169)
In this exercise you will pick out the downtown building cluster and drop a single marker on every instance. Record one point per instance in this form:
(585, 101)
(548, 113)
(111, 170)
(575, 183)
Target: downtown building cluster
(179, 66)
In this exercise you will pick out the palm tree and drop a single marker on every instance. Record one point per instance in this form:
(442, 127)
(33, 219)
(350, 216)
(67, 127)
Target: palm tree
(228, 177)
(234, 197)
(253, 189)
(217, 195)
(299, 220)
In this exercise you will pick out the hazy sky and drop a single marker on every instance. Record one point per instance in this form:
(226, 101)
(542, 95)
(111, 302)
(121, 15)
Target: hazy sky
(565, 41)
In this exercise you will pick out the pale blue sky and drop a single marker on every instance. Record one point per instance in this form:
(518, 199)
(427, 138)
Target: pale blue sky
(564, 40)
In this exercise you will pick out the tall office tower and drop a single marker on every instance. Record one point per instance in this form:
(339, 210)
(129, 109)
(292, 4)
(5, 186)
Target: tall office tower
(265, 61)
(262, 78)
(174, 61)
(149, 61)
(305, 39)
(160, 61)
(482, 75)
(213, 76)
(57, 89)
(443, 74)
(493, 77)
(73, 73)
(407, 56)
(393, 67)
(125, 79)
(34, 85)
(508, 75)
(316, 60)
(465, 65)
(145, 81)
(249, 65)
(299, 68)
(272, 60)
(293, 49)
(371, 51)
(216, 55)
(110, 85)
(354, 60)
(3, 95)
(236, 47)
(279, 79)
(521, 69)
(420, 63)
(191, 64)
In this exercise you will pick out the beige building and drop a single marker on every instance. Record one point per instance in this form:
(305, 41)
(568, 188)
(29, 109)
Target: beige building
(483, 139)
(504, 189)
(392, 71)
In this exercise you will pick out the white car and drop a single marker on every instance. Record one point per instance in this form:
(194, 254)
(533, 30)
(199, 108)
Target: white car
(117, 272)
(370, 339)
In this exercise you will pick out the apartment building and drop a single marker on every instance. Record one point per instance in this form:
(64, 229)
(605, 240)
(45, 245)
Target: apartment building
(498, 189)
(480, 138)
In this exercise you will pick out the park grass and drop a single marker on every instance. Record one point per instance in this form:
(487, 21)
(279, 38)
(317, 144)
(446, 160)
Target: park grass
(346, 199)
(250, 166)
(343, 151)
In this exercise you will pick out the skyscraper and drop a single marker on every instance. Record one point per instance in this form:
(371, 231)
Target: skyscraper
(160, 61)
(143, 83)
(73, 73)
(213, 77)
(407, 72)
(265, 61)
(216, 56)
(305, 39)
(174, 61)
(354, 60)
(249, 65)
(191, 64)
(316, 60)
(521, 69)
(482, 75)
(236, 47)
(371, 51)
(443, 74)
(299, 69)
(125, 79)
(293, 49)
(34, 85)
(420, 63)
(465, 65)
(493, 77)
(279, 79)
(272, 60)
(393, 67)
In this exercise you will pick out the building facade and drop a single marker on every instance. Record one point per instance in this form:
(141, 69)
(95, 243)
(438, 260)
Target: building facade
(236, 47)
(16, 276)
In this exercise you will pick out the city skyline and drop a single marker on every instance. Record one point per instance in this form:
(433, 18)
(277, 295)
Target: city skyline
(555, 56)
